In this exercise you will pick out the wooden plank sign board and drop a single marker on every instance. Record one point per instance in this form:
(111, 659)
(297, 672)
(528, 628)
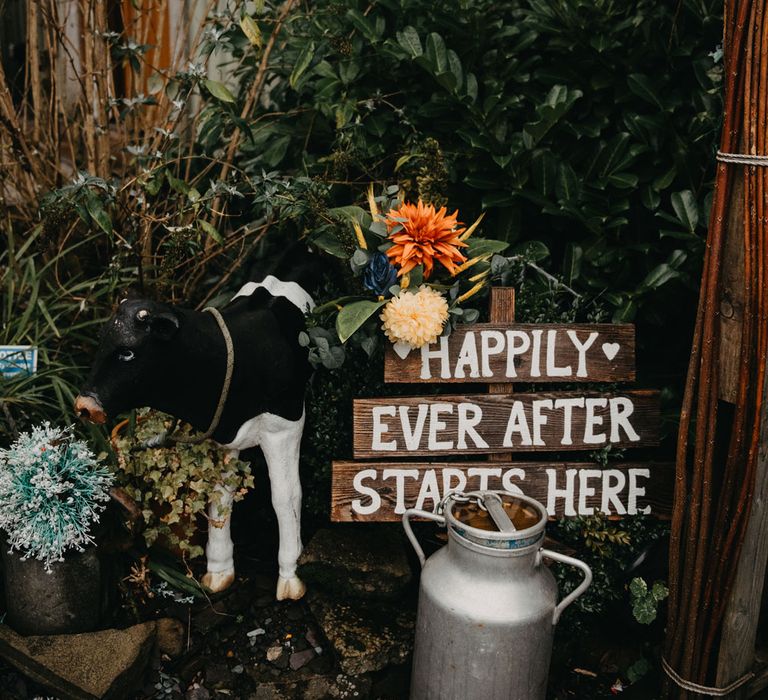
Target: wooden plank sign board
(382, 491)
(501, 423)
(520, 352)
(488, 423)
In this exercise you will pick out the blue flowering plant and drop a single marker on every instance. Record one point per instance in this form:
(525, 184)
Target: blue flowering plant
(52, 492)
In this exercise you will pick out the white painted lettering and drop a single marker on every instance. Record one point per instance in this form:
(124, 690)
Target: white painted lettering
(581, 348)
(621, 409)
(449, 474)
(487, 349)
(380, 427)
(612, 492)
(514, 350)
(435, 425)
(484, 473)
(539, 419)
(400, 475)
(467, 357)
(429, 489)
(517, 423)
(592, 421)
(367, 491)
(552, 369)
(440, 354)
(507, 483)
(467, 424)
(567, 405)
(536, 353)
(413, 437)
(636, 491)
(567, 493)
(585, 490)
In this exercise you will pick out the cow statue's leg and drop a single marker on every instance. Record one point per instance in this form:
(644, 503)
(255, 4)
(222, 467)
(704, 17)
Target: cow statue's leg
(280, 442)
(220, 572)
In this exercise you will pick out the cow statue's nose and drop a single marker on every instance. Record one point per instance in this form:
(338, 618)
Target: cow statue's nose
(89, 408)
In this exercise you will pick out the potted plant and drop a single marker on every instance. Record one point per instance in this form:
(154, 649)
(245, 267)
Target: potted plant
(52, 491)
(173, 485)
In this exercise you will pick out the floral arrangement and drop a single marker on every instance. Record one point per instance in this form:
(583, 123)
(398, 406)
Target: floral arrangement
(52, 490)
(415, 269)
(173, 485)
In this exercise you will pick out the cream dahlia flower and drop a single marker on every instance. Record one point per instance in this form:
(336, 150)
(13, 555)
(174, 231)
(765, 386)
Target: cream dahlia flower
(415, 319)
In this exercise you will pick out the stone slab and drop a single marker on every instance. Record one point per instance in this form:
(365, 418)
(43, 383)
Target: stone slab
(362, 561)
(365, 635)
(93, 665)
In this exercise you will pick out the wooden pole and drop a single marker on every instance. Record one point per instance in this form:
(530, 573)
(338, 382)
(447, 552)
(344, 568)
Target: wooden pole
(737, 645)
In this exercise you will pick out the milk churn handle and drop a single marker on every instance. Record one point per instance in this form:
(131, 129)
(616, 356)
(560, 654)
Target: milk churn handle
(415, 513)
(563, 559)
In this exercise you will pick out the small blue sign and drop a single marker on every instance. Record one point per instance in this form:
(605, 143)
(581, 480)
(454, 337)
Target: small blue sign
(17, 360)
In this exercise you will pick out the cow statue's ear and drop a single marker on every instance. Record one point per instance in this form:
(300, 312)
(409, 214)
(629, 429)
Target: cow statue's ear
(163, 325)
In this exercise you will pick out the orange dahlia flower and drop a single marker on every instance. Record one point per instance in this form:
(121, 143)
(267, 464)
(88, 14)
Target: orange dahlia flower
(426, 236)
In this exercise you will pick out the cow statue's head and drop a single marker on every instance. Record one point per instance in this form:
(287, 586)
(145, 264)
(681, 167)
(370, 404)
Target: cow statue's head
(132, 357)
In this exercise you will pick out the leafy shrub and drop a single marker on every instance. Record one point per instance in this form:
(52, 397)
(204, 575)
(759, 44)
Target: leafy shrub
(52, 300)
(174, 485)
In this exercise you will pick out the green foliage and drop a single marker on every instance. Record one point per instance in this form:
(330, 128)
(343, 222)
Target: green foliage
(51, 298)
(645, 602)
(638, 670)
(174, 485)
(613, 547)
(588, 126)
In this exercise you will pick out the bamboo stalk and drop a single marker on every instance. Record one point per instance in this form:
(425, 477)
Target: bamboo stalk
(33, 44)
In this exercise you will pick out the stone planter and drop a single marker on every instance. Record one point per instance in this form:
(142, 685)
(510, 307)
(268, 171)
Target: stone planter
(69, 599)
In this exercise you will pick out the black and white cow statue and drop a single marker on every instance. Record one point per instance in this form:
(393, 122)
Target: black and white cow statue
(175, 360)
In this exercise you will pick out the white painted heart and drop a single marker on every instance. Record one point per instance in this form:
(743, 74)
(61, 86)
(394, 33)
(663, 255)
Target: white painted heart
(402, 349)
(611, 350)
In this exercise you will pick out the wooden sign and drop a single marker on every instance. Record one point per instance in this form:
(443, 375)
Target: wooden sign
(493, 352)
(501, 423)
(488, 423)
(17, 360)
(382, 491)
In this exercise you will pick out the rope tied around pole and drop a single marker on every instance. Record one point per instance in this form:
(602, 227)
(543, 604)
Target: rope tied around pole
(742, 158)
(705, 689)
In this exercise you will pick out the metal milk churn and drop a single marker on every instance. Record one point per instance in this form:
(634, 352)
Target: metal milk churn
(487, 602)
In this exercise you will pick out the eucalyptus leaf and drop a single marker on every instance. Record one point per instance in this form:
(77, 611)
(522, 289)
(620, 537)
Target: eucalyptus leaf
(353, 316)
(219, 90)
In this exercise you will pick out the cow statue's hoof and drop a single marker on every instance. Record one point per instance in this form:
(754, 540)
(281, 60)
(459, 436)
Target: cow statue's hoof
(217, 581)
(290, 588)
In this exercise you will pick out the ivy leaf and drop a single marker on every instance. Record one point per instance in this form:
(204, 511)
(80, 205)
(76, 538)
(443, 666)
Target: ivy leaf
(354, 315)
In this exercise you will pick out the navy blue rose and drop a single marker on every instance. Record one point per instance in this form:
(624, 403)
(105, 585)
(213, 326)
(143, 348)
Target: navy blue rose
(380, 274)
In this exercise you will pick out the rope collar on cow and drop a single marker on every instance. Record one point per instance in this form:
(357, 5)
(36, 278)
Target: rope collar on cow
(169, 438)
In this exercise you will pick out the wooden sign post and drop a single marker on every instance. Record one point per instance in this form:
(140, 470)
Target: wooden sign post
(502, 423)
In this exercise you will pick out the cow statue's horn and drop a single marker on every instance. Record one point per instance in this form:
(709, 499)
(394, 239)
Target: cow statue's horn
(89, 408)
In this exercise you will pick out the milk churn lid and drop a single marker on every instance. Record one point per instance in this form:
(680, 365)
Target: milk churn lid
(496, 519)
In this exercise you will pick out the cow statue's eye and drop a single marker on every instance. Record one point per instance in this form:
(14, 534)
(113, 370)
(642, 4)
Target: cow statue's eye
(125, 355)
